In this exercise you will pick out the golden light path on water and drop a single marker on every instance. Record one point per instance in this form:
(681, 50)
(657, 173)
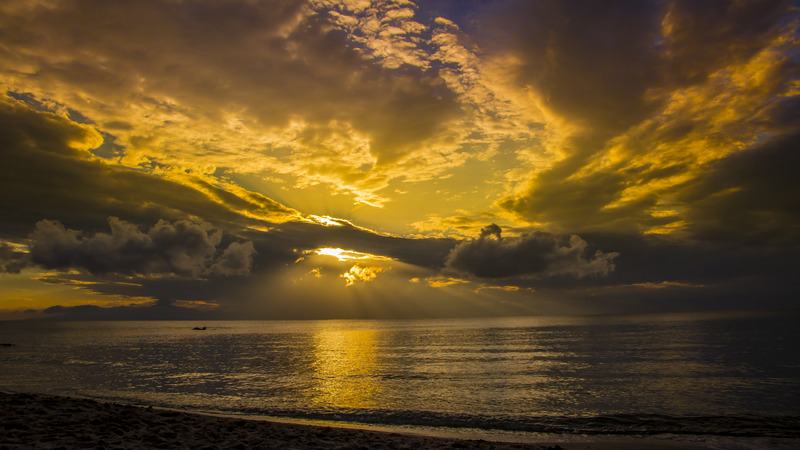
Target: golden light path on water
(345, 361)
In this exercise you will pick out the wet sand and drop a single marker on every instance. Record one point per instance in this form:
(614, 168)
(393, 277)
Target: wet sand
(42, 421)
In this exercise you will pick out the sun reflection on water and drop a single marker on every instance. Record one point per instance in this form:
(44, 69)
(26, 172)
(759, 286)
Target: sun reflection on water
(344, 368)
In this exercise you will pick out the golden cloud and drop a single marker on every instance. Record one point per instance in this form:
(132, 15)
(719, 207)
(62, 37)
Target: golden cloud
(442, 281)
(292, 99)
(629, 173)
(359, 273)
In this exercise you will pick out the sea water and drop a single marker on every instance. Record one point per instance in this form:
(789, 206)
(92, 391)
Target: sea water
(675, 376)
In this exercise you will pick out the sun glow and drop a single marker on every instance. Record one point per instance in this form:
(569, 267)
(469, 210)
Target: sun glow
(347, 255)
(327, 221)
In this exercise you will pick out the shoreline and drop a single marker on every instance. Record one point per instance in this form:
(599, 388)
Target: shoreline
(48, 421)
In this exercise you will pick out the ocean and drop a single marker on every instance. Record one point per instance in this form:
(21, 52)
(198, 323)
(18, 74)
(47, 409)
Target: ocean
(706, 377)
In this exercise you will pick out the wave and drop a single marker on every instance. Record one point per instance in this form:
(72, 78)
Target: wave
(748, 425)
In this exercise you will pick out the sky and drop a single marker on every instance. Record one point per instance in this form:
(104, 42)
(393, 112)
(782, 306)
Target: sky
(293, 159)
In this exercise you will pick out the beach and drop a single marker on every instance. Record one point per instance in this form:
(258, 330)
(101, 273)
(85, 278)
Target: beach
(53, 422)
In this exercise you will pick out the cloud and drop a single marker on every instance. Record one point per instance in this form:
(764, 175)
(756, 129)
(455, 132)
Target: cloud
(236, 259)
(81, 191)
(660, 130)
(385, 30)
(47, 171)
(606, 65)
(281, 88)
(350, 96)
(358, 273)
(536, 254)
(748, 198)
(491, 230)
(639, 98)
(276, 252)
(347, 243)
(12, 260)
(507, 288)
(442, 281)
(184, 248)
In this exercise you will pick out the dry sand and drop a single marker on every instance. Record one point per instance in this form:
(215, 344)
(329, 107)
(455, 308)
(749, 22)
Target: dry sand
(41, 421)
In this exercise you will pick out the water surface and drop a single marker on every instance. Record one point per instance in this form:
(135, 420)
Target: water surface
(733, 374)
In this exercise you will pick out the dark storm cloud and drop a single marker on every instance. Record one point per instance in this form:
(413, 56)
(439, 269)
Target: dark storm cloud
(12, 260)
(236, 259)
(640, 88)
(750, 197)
(703, 36)
(185, 248)
(595, 61)
(590, 60)
(535, 254)
(43, 176)
(276, 252)
(567, 202)
(222, 291)
(491, 230)
(656, 273)
(655, 259)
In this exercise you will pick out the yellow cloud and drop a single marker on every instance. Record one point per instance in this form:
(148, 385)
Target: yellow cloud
(358, 273)
(442, 281)
(500, 289)
(698, 124)
(368, 100)
(247, 203)
(353, 116)
(331, 134)
(631, 177)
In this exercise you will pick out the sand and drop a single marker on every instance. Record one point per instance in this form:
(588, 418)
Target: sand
(43, 421)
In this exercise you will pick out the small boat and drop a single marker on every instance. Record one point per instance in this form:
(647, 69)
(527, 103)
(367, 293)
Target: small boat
(199, 328)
